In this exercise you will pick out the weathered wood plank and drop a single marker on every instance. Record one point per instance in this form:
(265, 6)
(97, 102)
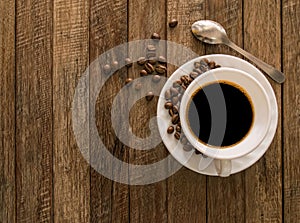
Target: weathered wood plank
(71, 58)
(148, 202)
(108, 28)
(7, 112)
(225, 196)
(291, 106)
(263, 188)
(34, 111)
(186, 189)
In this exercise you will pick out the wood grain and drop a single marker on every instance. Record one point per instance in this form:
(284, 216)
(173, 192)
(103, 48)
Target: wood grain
(71, 58)
(186, 189)
(7, 112)
(291, 105)
(263, 180)
(148, 203)
(34, 111)
(226, 196)
(109, 199)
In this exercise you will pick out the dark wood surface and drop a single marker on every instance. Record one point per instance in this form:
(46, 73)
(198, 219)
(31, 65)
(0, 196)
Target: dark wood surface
(45, 47)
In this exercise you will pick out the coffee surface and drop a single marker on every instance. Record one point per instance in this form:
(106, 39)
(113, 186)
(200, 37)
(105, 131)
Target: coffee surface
(220, 114)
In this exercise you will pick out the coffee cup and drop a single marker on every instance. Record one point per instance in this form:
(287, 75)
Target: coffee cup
(225, 114)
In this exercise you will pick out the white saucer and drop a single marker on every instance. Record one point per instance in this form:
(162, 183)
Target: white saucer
(190, 159)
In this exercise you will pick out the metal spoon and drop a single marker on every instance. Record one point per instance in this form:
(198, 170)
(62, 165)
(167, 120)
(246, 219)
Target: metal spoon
(213, 33)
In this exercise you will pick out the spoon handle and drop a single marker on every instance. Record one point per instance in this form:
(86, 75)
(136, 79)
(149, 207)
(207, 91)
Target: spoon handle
(275, 74)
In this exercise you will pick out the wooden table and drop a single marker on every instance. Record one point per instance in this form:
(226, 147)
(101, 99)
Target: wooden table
(45, 46)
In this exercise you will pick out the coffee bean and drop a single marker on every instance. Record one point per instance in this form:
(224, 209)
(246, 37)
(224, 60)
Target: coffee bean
(197, 152)
(198, 71)
(141, 61)
(193, 75)
(160, 69)
(115, 64)
(175, 100)
(182, 89)
(176, 84)
(155, 36)
(168, 94)
(138, 86)
(143, 73)
(178, 128)
(175, 109)
(152, 60)
(212, 64)
(128, 62)
(184, 140)
(156, 78)
(205, 60)
(128, 81)
(170, 130)
(177, 135)
(174, 91)
(106, 68)
(149, 68)
(188, 148)
(151, 47)
(162, 59)
(197, 64)
(149, 96)
(171, 113)
(175, 119)
(204, 68)
(173, 23)
(168, 105)
(150, 54)
(217, 66)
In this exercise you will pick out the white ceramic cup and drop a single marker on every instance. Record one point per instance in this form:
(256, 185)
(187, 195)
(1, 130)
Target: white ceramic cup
(261, 119)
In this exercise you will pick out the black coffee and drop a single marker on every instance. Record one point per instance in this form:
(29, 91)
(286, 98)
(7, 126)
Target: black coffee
(220, 114)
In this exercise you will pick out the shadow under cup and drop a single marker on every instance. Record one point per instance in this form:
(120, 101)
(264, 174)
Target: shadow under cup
(225, 113)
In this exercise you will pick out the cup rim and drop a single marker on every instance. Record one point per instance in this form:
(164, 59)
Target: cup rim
(230, 152)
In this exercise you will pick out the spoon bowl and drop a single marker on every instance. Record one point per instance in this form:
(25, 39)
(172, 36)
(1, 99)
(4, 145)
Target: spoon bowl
(212, 32)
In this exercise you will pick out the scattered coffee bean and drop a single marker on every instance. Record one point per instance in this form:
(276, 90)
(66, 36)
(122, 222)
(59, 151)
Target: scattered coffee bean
(115, 64)
(175, 100)
(168, 94)
(149, 96)
(198, 71)
(177, 135)
(138, 86)
(152, 60)
(170, 130)
(188, 148)
(141, 61)
(128, 62)
(149, 68)
(175, 109)
(217, 66)
(156, 78)
(173, 23)
(150, 54)
(171, 113)
(175, 119)
(176, 84)
(106, 68)
(193, 75)
(151, 47)
(178, 129)
(212, 64)
(205, 60)
(155, 36)
(197, 65)
(143, 73)
(160, 69)
(174, 91)
(197, 152)
(168, 105)
(128, 80)
(184, 140)
(204, 68)
(162, 59)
